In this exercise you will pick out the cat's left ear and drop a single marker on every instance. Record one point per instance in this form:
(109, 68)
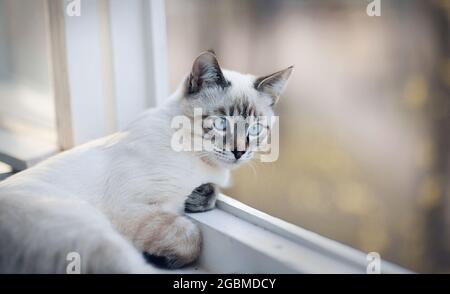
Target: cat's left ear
(205, 73)
(274, 84)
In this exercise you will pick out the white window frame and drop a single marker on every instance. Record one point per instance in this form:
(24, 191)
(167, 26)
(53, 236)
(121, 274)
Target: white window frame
(126, 44)
(123, 81)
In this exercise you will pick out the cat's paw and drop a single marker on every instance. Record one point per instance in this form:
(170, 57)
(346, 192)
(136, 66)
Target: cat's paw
(203, 198)
(170, 241)
(165, 262)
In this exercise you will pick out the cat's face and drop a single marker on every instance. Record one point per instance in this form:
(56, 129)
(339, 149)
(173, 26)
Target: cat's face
(236, 109)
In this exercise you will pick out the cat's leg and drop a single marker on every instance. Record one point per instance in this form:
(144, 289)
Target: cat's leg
(53, 235)
(203, 198)
(167, 239)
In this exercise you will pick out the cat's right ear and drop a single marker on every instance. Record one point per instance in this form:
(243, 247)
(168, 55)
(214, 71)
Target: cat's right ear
(274, 84)
(205, 73)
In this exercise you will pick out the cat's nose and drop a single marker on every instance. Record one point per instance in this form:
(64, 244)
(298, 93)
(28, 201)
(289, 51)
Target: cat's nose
(238, 154)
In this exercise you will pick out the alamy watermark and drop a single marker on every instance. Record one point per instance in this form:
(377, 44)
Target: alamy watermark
(73, 7)
(74, 263)
(373, 263)
(374, 8)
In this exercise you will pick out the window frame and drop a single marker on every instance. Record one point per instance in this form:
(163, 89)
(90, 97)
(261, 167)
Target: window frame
(122, 80)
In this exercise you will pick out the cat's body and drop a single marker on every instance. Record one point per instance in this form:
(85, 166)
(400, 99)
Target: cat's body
(108, 200)
(122, 176)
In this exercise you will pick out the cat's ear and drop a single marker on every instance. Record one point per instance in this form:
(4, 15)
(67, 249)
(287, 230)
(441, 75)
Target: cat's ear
(205, 72)
(274, 84)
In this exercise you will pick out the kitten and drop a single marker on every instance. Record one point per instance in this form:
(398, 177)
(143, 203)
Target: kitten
(113, 198)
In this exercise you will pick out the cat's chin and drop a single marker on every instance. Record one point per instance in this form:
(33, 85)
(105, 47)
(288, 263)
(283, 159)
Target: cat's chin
(223, 163)
(229, 164)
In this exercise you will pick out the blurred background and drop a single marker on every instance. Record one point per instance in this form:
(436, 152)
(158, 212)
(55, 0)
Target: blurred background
(365, 120)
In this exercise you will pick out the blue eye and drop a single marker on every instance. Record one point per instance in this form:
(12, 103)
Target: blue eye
(220, 123)
(255, 129)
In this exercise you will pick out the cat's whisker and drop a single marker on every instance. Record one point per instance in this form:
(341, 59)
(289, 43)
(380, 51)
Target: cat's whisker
(202, 155)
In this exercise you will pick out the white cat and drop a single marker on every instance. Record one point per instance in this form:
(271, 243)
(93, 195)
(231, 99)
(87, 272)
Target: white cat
(117, 197)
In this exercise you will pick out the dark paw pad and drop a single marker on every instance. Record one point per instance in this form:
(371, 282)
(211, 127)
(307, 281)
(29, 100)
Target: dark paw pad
(167, 262)
(203, 198)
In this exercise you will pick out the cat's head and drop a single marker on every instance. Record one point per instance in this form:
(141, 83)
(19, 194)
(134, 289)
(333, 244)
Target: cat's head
(236, 109)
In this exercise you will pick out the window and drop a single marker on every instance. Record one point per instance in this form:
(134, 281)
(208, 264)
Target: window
(26, 98)
(364, 121)
(362, 141)
(27, 114)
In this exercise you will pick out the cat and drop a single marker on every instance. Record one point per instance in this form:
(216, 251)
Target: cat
(114, 198)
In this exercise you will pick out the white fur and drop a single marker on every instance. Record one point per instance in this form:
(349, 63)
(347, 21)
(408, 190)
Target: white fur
(108, 198)
(80, 199)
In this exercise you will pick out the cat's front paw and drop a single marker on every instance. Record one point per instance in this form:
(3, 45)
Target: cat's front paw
(203, 198)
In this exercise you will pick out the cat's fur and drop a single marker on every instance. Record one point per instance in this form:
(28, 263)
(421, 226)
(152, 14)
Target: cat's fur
(113, 198)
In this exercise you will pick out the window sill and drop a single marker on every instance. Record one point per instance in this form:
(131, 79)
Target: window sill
(240, 239)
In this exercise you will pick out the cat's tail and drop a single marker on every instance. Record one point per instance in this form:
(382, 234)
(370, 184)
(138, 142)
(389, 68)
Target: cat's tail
(51, 235)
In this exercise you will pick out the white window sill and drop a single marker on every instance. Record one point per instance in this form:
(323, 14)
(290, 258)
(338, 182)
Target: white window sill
(240, 239)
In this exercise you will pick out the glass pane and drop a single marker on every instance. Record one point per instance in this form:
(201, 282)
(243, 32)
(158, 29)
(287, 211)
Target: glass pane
(26, 101)
(364, 122)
